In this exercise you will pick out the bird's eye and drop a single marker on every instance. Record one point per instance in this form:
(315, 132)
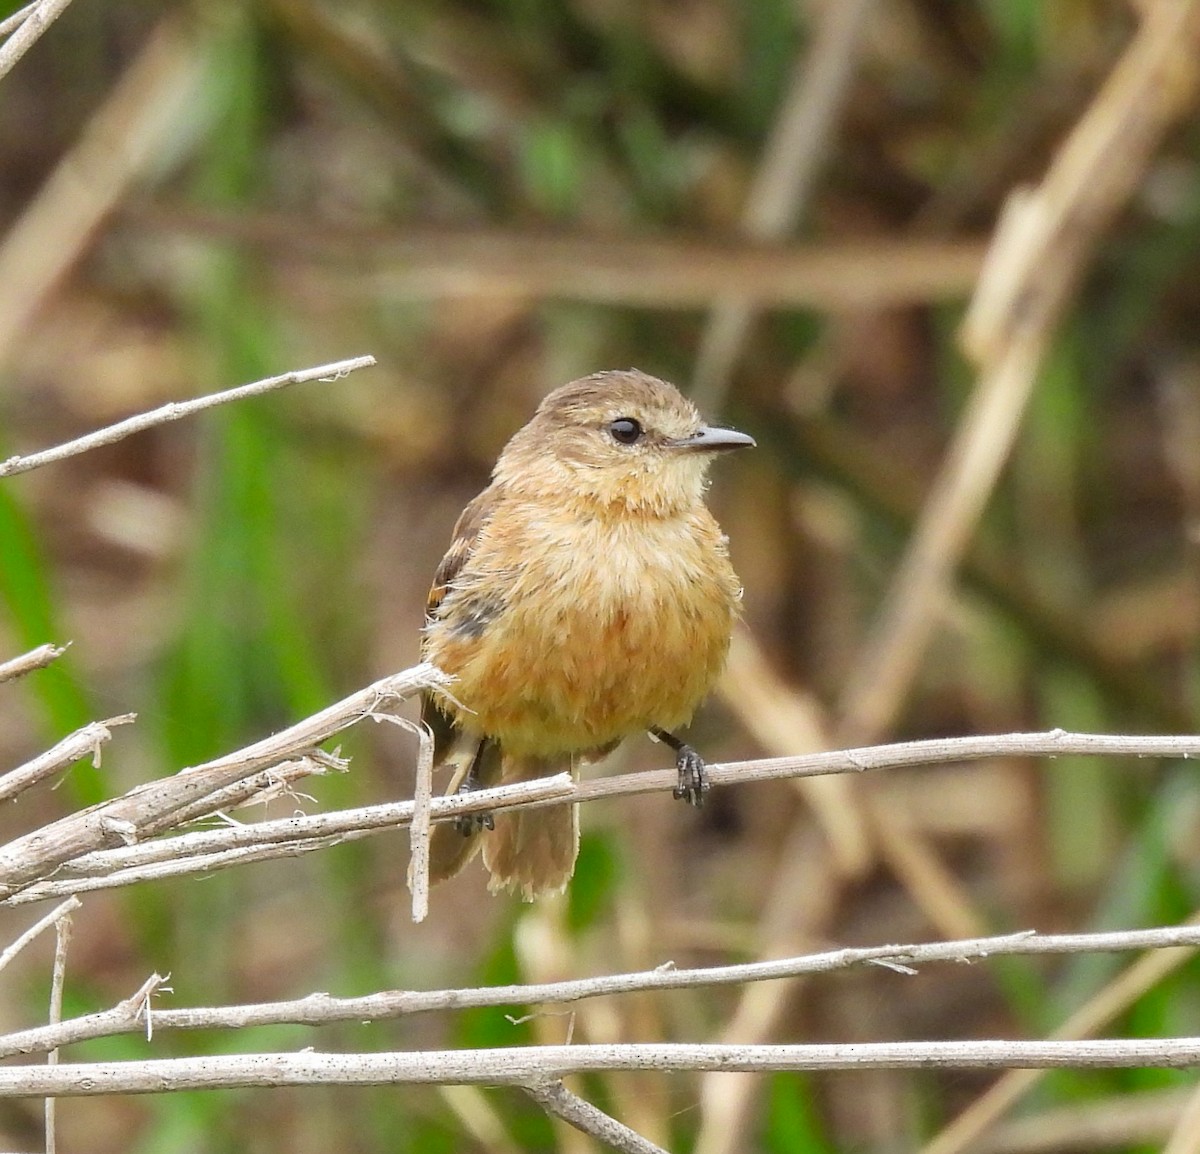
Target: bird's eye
(626, 430)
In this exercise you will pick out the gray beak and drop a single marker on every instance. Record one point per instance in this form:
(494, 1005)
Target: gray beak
(710, 438)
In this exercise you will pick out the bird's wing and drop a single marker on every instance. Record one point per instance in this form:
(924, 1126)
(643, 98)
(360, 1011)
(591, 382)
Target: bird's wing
(467, 528)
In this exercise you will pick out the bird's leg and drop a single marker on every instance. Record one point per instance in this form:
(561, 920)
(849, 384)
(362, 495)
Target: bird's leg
(470, 823)
(693, 785)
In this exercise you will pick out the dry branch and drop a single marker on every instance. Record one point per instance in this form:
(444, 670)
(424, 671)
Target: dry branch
(62, 929)
(37, 658)
(556, 1099)
(257, 789)
(82, 742)
(418, 834)
(176, 410)
(323, 1009)
(39, 927)
(123, 822)
(239, 845)
(33, 20)
(10, 23)
(534, 1065)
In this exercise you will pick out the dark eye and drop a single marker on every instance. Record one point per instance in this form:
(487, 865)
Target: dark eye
(626, 430)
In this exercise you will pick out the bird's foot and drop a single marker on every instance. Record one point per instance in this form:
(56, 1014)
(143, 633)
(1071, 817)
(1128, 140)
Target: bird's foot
(472, 823)
(693, 782)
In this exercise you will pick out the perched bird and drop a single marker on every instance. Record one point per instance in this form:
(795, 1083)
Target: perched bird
(587, 596)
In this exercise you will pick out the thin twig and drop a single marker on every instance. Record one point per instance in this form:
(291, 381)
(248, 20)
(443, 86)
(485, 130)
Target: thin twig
(82, 742)
(35, 19)
(37, 658)
(525, 1065)
(288, 836)
(38, 927)
(161, 871)
(257, 789)
(243, 844)
(123, 820)
(62, 929)
(323, 1009)
(303, 828)
(418, 834)
(17, 18)
(175, 410)
(556, 1099)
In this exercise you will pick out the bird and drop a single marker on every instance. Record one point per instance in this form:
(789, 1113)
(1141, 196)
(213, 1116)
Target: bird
(587, 596)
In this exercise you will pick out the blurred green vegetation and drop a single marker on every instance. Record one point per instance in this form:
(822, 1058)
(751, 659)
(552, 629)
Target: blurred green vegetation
(298, 532)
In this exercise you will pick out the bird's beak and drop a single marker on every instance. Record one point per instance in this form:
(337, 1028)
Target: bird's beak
(710, 438)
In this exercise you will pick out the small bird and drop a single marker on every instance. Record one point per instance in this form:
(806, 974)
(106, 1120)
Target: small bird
(587, 596)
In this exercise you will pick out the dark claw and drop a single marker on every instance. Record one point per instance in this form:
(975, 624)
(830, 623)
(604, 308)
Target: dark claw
(693, 784)
(471, 823)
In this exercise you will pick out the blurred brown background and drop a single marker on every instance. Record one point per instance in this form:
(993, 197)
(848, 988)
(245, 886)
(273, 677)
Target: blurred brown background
(783, 207)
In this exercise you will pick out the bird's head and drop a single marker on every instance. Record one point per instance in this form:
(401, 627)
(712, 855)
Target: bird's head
(617, 439)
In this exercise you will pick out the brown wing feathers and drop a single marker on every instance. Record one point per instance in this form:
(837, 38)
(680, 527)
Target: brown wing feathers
(466, 532)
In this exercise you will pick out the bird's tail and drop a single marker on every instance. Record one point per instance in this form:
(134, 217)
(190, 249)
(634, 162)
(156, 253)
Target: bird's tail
(453, 844)
(531, 852)
(450, 848)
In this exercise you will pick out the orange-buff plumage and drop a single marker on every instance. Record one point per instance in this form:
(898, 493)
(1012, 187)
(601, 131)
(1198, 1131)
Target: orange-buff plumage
(587, 596)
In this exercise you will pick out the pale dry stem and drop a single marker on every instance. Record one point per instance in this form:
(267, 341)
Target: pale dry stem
(37, 658)
(25, 28)
(523, 1066)
(557, 1100)
(105, 842)
(39, 927)
(177, 410)
(323, 1009)
(124, 819)
(62, 930)
(418, 834)
(81, 743)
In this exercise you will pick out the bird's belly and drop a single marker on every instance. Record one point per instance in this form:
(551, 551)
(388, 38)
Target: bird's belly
(582, 656)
